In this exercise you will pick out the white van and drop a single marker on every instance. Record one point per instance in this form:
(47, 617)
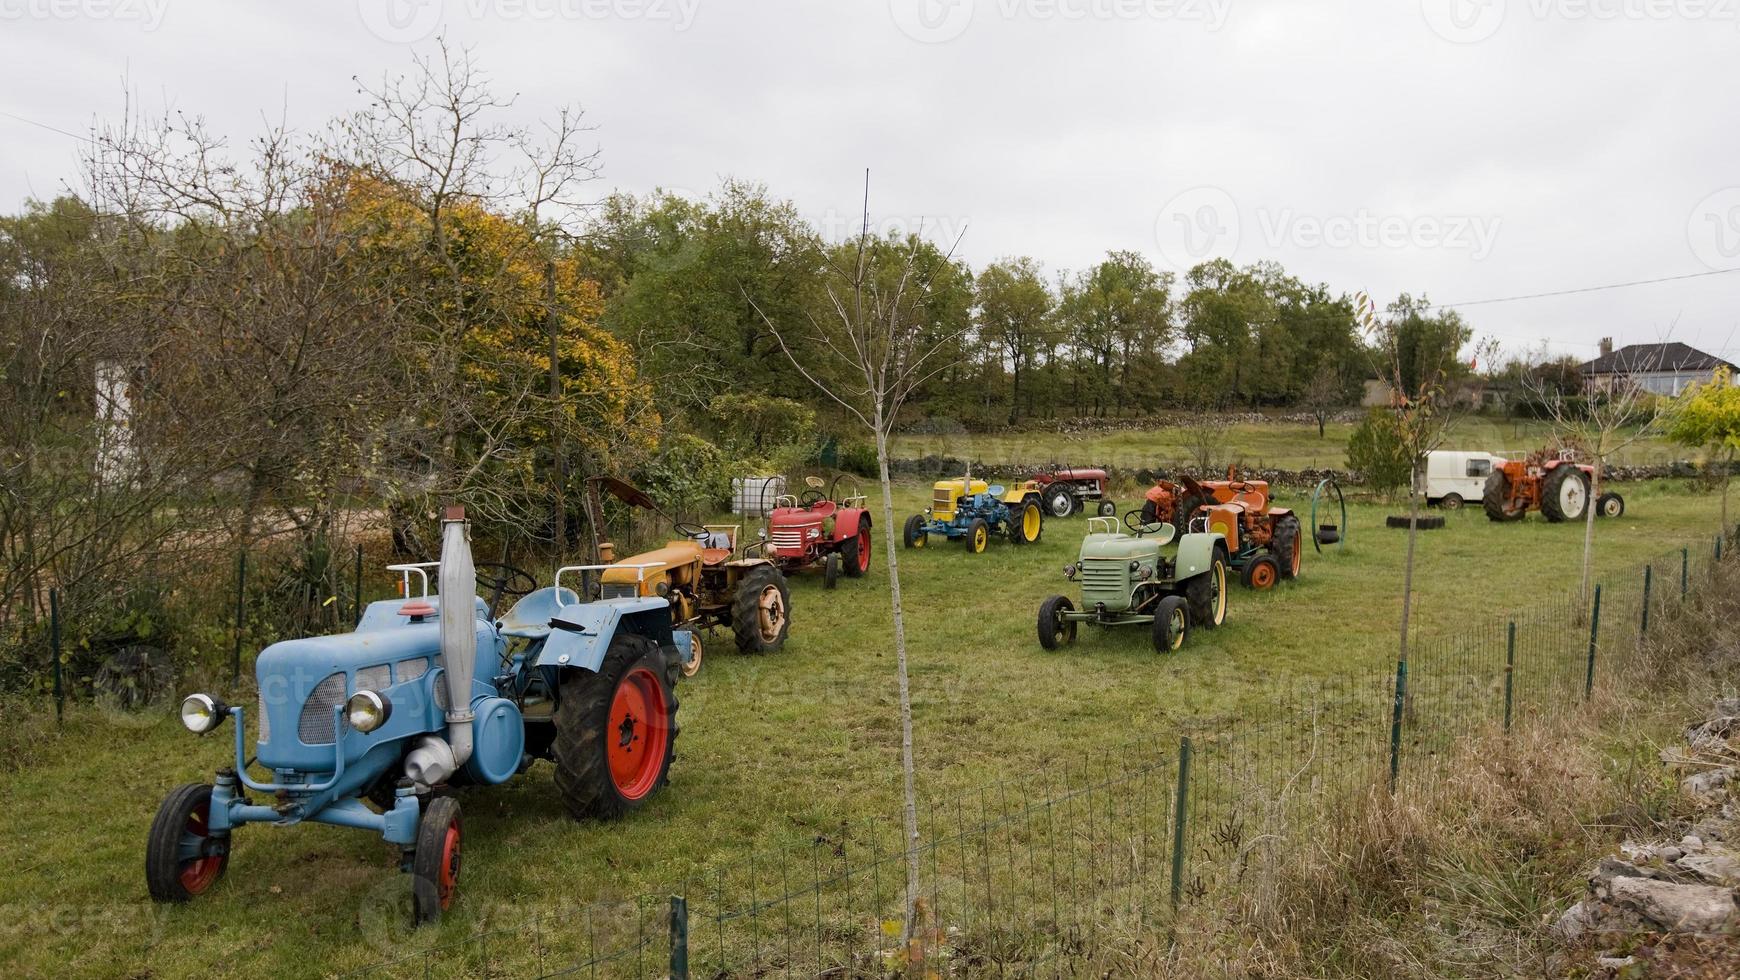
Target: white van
(1453, 477)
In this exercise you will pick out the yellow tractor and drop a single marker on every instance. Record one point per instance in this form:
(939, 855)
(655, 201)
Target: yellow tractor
(972, 510)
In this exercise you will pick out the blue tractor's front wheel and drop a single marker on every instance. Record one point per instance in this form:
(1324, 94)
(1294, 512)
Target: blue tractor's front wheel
(183, 858)
(435, 866)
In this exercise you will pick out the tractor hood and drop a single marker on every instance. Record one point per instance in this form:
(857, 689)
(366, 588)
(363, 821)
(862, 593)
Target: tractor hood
(1120, 546)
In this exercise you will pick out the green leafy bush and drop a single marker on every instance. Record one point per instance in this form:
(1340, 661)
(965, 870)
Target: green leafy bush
(690, 472)
(1378, 450)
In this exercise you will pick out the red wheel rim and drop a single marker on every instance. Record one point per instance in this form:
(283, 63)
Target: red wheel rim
(1263, 576)
(198, 874)
(447, 882)
(1298, 550)
(638, 735)
(863, 549)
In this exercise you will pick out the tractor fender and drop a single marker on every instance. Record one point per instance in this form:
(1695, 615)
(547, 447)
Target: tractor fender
(1280, 511)
(580, 635)
(846, 523)
(1019, 496)
(1196, 554)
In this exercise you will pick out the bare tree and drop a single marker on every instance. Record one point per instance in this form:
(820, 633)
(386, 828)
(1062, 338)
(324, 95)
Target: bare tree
(868, 350)
(1611, 417)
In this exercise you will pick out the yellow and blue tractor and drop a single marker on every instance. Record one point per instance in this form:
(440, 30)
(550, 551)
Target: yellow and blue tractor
(972, 510)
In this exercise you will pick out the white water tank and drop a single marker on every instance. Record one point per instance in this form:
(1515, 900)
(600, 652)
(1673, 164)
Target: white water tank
(753, 496)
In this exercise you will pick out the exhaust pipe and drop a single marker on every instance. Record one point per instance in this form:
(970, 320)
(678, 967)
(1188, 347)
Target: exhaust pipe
(435, 759)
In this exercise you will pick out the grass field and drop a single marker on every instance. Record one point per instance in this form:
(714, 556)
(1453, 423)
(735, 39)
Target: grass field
(1280, 445)
(774, 750)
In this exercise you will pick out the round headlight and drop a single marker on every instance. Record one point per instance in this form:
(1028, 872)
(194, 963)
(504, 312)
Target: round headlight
(202, 713)
(1069, 570)
(1135, 566)
(367, 711)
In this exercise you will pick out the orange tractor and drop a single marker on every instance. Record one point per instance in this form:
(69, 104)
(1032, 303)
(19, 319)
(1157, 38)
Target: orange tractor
(1550, 481)
(1265, 543)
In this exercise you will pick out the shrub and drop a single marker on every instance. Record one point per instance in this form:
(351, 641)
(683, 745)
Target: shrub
(1377, 450)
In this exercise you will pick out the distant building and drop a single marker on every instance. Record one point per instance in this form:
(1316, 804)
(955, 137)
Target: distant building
(1661, 369)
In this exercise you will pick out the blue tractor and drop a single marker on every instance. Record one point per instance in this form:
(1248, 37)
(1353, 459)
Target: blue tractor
(373, 729)
(972, 511)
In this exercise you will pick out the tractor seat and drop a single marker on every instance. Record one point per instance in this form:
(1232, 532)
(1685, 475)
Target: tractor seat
(823, 508)
(715, 556)
(716, 547)
(530, 617)
(995, 490)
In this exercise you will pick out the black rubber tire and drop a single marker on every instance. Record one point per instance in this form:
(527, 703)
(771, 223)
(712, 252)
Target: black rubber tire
(849, 557)
(1610, 504)
(1171, 629)
(914, 535)
(1450, 501)
(1108, 508)
(975, 543)
(1206, 592)
(580, 751)
(1018, 523)
(1249, 575)
(1187, 508)
(745, 610)
(1288, 544)
(1053, 631)
(1150, 513)
(1495, 496)
(1426, 522)
(1554, 485)
(162, 845)
(441, 813)
(831, 570)
(1060, 500)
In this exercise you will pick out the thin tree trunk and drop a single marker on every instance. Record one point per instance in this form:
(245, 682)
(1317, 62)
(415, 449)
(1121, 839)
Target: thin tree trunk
(910, 800)
(1589, 527)
(1408, 567)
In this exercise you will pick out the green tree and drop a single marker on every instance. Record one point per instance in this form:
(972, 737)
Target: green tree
(1708, 416)
(1117, 313)
(1378, 450)
(1014, 311)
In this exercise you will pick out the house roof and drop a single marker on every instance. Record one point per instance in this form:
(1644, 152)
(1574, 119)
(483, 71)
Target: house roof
(1645, 358)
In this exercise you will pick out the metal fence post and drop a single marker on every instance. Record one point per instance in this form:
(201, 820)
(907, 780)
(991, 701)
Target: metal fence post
(1648, 575)
(357, 596)
(54, 649)
(1685, 571)
(1180, 806)
(241, 613)
(1594, 635)
(1509, 670)
(1718, 547)
(679, 938)
(1396, 723)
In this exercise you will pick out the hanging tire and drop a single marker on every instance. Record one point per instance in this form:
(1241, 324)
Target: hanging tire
(1054, 630)
(1027, 524)
(616, 730)
(1171, 624)
(1060, 500)
(914, 535)
(1261, 573)
(831, 570)
(1207, 592)
(182, 858)
(761, 611)
(1108, 508)
(435, 864)
(1564, 494)
(855, 551)
(1610, 504)
(1495, 498)
(1288, 544)
(978, 535)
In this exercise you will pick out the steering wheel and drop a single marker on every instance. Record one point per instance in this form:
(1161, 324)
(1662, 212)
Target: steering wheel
(694, 532)
(1240, 486)
(498, 579)
(1133, 521)
(811, 498)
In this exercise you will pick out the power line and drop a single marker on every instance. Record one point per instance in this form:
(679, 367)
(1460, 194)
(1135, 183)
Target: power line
(1587, 289)
(42, 125)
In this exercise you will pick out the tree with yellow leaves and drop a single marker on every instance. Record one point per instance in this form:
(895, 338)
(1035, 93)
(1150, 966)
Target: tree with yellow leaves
(1707, 416)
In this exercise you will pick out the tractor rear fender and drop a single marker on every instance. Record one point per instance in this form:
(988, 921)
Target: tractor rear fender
(846, 523)
(1279, 511)
(1196, 554)
(580, 635)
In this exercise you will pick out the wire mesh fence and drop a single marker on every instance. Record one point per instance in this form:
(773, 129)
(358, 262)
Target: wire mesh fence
(1085, 867)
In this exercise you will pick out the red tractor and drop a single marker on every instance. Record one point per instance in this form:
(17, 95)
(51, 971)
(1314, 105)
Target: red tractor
(1550, 481)
(819, 529)
(1265, 543)
(1067, 490)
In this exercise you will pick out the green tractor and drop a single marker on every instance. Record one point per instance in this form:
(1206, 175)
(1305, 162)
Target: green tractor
(1126, 579)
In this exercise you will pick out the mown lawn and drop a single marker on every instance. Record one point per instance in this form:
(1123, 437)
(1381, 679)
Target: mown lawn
(774, 751)
(1279, 445)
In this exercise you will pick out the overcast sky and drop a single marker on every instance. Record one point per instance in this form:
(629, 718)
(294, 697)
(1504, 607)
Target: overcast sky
(1466, 149)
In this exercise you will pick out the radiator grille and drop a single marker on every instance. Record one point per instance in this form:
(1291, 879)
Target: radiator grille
(1105, 574)
(265, 720)
(410, 670)
(377, 678)
(944, 500)
(315, 725)
(788, 540)
(619, 590)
